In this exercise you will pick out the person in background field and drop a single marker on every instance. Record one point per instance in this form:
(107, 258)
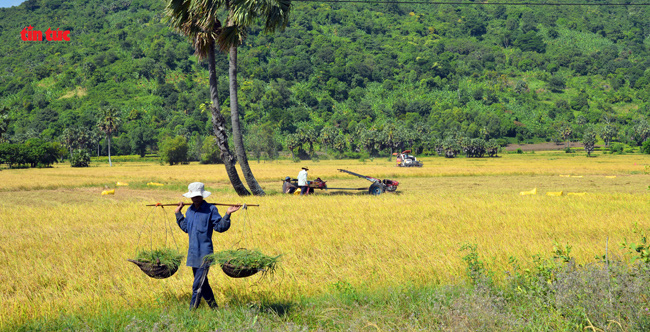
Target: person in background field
(199, 221)
(288, 187)
(302, 181)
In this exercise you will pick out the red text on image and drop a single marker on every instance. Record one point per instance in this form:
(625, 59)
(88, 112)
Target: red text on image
(29, 34)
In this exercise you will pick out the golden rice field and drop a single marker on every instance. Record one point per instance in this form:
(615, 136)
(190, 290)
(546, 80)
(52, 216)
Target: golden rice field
(63, 246)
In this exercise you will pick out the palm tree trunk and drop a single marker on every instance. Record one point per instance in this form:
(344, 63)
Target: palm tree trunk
(110, 164)
(236, 127)
(219, 127)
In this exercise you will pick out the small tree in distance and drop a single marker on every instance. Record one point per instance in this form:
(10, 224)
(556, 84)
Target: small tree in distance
(645, 148)
(292, 141)
(80, 158)
(589, 141)
(607, 133)
(174, 150)
(492, 147)
(109, 122)
(210, 153)
(565, 132)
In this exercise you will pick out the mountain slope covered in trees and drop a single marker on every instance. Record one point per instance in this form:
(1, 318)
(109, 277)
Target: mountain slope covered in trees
(342, 77)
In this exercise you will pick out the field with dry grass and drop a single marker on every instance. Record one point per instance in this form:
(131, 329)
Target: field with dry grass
(63, 245)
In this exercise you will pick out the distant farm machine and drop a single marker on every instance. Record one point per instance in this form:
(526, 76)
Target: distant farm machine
(377, 187)
(404, 159)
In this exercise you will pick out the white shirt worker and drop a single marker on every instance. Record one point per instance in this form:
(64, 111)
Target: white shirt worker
(302, 178)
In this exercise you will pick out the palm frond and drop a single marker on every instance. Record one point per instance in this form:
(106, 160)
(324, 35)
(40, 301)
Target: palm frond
(109, 120)
(277, 16)
(244, 12)
(177, 12)
(206, 12)
(231, 36)
(196, 19)
(274, 13)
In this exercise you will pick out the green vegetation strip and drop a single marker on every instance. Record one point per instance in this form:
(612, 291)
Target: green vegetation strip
(574, 300)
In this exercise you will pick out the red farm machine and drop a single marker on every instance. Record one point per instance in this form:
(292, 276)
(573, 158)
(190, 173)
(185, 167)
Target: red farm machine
(377, 187)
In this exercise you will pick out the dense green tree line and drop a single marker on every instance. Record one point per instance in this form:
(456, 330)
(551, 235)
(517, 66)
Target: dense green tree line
(344, 78)
(33, 153)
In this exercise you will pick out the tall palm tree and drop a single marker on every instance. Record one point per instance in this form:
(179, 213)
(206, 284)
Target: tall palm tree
(109, 123)
(199, 23)
(241, 15)
(195, 17)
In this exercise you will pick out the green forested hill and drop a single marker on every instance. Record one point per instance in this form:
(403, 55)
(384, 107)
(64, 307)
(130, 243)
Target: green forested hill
(374, 75)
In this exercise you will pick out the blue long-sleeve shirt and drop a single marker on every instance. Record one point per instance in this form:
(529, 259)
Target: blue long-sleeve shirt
(198, 224)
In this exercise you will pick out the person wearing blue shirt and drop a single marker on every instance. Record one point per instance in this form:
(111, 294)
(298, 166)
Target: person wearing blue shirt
(288, 187)
(199, 221)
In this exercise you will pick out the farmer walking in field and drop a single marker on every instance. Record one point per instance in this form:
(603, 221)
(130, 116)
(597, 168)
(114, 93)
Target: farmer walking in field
(199, 221)
(302, 181)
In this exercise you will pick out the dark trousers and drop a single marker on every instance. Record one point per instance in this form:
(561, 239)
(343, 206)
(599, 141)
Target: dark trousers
(206, 291)
(304, 190)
